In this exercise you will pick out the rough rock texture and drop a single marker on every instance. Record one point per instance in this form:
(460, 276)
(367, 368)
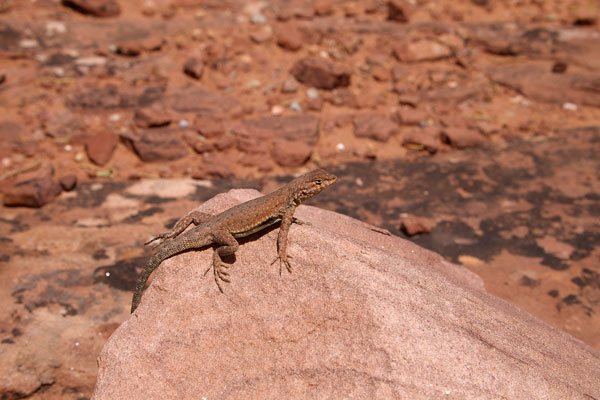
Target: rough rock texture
(365, 315)
(320, 73)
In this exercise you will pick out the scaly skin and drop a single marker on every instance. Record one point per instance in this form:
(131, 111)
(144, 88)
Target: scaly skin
(239, 221)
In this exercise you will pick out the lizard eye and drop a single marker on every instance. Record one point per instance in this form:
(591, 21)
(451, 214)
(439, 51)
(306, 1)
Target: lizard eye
(318, 181)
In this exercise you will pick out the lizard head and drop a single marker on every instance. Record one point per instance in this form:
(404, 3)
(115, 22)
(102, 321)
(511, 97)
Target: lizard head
(312, 183)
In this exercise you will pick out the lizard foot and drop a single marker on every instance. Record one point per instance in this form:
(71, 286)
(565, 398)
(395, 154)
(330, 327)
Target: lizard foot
(283, 261)
(220, 273)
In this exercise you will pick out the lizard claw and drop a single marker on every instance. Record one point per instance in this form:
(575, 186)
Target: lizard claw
(284, 261)
(300, 222)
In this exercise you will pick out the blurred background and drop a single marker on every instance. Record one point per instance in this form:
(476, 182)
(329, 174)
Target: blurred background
(471, 127)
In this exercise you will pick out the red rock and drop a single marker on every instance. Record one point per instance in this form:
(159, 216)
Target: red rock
(413, 225)
(289, 37)
(95, 98)
(261, 36)
(10, 131)
(289, 153)
(399, 10)
(197, 142)
(68, 182)
(303, 128)
(209, 127)
(129, 48)
(31, 193)
(225, 142)
(203, 102)
(449, 95)
(100, 147)
(320, 73)
(255, 160)
(342, 97)
(97, 8)
(374, 126)
(193, 67)
(427, 138)
(159, 144)
(462, 137)
(315, 104)
(421, 50)
(360, 304)
(410, 116)
(380, 73)
(62, 124)
(324, 7)
(155, 115)
(538, 83)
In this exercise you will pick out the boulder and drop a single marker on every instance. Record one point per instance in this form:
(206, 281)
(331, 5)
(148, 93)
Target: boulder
(364, 315)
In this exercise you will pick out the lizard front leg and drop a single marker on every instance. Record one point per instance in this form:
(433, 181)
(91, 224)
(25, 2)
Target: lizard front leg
(286, 222)
(228, 246)
(195, 217)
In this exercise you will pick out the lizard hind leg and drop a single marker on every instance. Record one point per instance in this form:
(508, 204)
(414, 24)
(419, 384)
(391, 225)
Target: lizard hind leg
(195, 217)
(228, 247)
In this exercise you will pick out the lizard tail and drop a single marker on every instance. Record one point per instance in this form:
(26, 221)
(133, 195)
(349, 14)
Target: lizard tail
(164, 252)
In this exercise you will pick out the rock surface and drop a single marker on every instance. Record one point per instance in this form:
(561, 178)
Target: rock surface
(364, 315)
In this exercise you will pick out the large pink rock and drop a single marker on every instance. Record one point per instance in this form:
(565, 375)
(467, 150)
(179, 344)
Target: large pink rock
(364, 315)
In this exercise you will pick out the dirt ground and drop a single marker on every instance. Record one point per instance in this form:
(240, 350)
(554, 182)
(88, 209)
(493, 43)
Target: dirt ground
(471, 127)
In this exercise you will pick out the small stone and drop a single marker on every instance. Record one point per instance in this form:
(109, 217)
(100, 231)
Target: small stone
(421, 50)
(100, 147)
(425, 138)
(154, 115)
(209, 127)
(560, 67)
(413, 225)
(277, 109)
(320, 73)
(324, 7)
(462, 137)
(129, 48)
(32, 193)
(315, 104)
(289, 37)
(97, 8)
(261, 36)
(68, 182)
(295, 106)
(569, 106)
(193, 67)
(288, 153)
(410, 116)
(374, 126)
(380, 73)
(258, 18)
(312, 93)
(158, 144)
(399, 10)
(290, 85)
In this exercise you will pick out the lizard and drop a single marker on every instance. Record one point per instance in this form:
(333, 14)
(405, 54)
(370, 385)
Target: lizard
(223, 230)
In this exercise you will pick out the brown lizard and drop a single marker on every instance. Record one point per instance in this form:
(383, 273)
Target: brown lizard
(239, 221)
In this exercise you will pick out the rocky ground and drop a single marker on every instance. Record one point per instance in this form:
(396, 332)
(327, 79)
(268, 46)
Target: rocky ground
(470, 127)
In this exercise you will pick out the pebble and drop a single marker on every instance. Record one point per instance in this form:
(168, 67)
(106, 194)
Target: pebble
(294, 105)
(183, 123)
(258, 18)
(570, 106)
(312, 93)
